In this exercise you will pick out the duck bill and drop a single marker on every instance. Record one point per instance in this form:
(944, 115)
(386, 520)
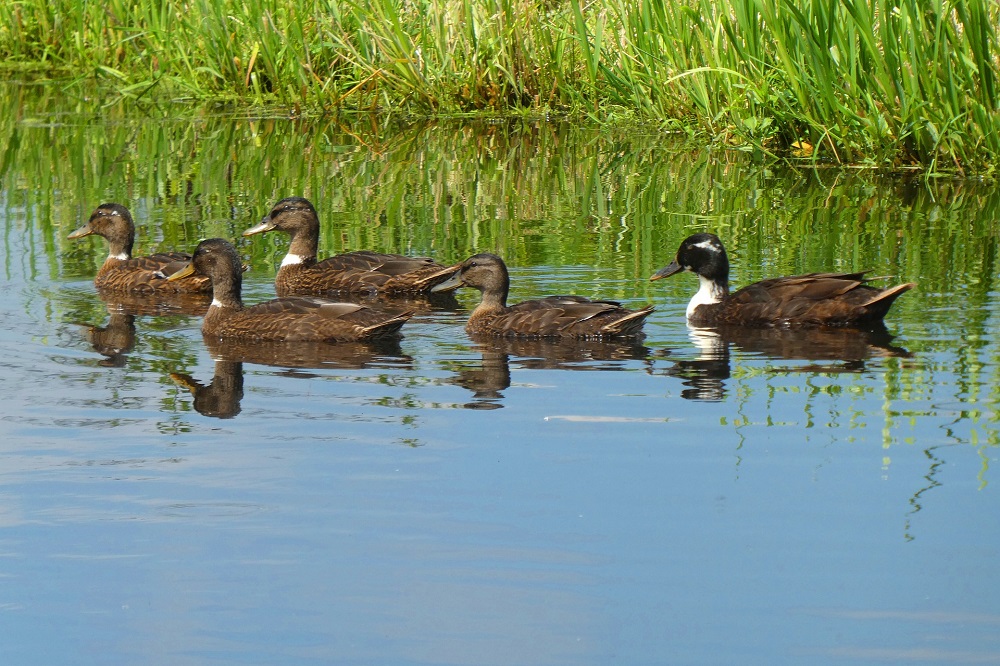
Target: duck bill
(182, 273)
(265, 225)
(667, 271)
(85, 230)
(451, 284)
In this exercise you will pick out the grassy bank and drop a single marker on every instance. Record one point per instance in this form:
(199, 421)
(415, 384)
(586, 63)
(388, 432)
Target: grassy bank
(877, 83)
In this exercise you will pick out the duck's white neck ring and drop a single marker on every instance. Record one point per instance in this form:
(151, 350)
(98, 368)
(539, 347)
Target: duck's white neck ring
(709, 293)
(292, 260)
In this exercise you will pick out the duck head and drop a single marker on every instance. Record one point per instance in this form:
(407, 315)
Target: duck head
(291, 215)
(701, 254)
(218, 259)
(114, 222)
(297, 217)
(485, 272)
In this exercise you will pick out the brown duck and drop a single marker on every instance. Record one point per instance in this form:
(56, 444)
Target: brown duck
(121, 272)
(294, 318)
(359, 272)
(551, 317)
(816, 299)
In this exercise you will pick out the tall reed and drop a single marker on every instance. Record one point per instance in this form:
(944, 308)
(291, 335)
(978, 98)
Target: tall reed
(885, 83)
(897, 84)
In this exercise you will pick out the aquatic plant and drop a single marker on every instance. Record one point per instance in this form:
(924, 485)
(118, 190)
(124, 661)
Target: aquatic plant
(875, 83)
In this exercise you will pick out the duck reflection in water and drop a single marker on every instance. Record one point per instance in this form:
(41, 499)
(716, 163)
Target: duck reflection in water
(312, 354)
(492, 375)
(486, 379)
(117, 337)
(158, 304)
(113, 340)
(221, 397)
(825, 350)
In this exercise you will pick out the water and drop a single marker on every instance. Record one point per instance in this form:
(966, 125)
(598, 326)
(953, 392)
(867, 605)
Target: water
(745, 499)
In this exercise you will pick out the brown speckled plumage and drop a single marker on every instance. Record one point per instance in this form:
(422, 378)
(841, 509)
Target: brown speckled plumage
(289, 318)
(121, 272)
(554, 316)
(815, 299)
(359, 272)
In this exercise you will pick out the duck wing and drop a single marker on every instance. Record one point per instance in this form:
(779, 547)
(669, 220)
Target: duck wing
(568, 316)
(361, 260)
(410, 275)
(160, 261)
(812, 286)
(148, 273)
(397, 264)
(297, 306)
(365, 272)
(305, 318)
(557, 301)
(814, 299)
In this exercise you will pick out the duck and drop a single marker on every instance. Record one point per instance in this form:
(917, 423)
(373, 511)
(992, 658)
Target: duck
(361, 272)
(123, 273)
(289, 318)
(811, 300)
(550, 317)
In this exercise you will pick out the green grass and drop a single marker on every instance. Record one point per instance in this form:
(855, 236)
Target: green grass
(889, 85)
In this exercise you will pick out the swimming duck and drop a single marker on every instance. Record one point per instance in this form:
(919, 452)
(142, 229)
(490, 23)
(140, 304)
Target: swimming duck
(816, 299)
(554, 316)
(359, 272)
(293, 318)
(121, 271)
